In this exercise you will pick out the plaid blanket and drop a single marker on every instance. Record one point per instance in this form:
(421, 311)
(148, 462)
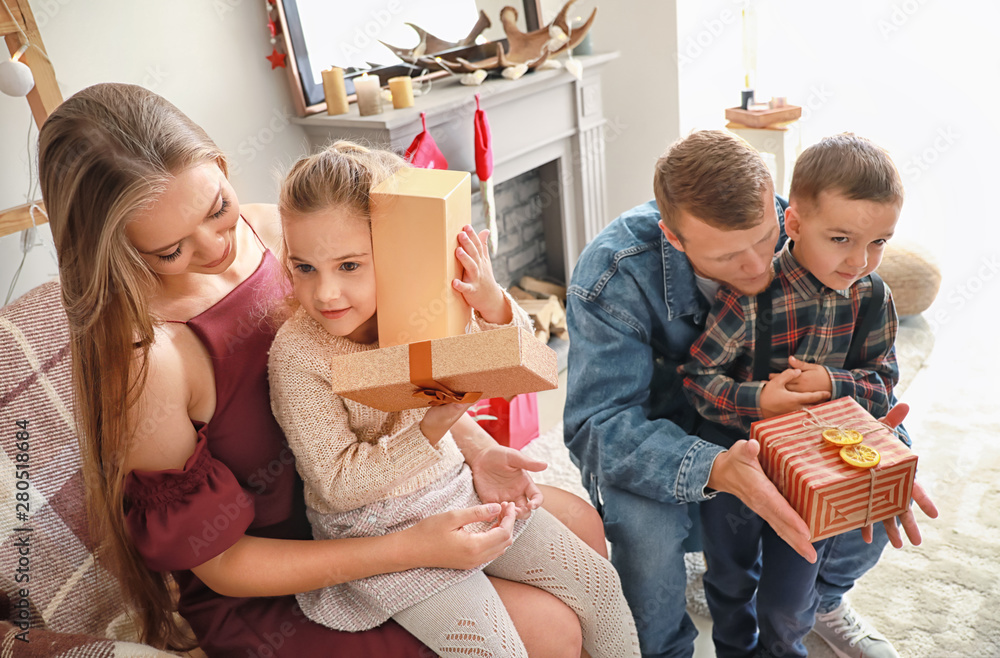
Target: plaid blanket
(54, 593)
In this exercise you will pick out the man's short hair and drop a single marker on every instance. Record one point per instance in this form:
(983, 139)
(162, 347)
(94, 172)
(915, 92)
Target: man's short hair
(849, 165)
(714, 176)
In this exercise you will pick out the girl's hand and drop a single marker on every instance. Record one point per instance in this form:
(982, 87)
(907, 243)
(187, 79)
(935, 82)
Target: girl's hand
(501, 474)
(440, 541)
(478, 286)
(438, 420)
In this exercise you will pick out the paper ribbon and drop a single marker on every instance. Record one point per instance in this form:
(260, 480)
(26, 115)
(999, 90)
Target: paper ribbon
(816, 422)
(811, 424)
(432, 392)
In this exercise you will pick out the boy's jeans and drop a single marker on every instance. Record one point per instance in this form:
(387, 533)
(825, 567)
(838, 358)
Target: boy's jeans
(847, 558)
(647, 548)
(755, 581)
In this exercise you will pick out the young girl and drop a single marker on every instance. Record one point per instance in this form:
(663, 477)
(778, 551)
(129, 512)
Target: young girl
(369, 472)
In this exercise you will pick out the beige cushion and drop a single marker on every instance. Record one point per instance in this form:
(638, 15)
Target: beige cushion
(912, 274)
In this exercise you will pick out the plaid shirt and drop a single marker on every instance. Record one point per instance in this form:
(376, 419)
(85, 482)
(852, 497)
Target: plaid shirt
(812, 322)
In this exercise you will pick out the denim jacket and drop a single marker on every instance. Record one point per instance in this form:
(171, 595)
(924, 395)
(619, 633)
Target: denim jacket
(633, 311)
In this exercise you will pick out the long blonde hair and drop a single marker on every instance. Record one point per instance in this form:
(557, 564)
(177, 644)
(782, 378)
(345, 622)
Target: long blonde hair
(104, 154)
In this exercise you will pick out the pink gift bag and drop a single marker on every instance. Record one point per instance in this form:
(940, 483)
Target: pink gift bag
(513, 423)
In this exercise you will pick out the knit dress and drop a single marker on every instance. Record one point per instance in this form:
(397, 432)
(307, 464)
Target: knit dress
(366, 472)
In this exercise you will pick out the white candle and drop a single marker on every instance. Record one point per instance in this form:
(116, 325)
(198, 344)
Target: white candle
(368, 89)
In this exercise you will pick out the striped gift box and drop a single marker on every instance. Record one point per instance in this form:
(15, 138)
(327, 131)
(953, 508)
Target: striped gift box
(829, 494)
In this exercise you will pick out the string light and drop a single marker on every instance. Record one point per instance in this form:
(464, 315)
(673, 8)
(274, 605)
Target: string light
(15, 76)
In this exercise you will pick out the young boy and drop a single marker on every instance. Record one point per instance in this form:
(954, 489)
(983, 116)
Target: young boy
(844, 202)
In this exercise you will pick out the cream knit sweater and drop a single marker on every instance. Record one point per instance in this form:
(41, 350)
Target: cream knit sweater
(347, 453)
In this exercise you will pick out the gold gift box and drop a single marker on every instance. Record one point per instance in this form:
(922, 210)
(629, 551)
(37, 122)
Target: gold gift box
(496, 363)
(417, 215)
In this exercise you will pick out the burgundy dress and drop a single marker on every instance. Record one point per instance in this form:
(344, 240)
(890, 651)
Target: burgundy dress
(240, 480)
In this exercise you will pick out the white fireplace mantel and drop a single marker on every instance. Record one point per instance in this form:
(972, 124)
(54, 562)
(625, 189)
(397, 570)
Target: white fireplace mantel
(544, 118)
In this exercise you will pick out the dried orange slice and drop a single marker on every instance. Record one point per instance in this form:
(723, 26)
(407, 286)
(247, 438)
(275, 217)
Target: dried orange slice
(839, 437)
(861, 456)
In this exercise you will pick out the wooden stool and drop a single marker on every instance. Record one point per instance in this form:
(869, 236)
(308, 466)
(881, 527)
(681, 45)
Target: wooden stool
(783, 140)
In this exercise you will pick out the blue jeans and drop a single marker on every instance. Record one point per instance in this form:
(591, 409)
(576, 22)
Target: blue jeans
(755, 580)
(647, 548)
(847, 558)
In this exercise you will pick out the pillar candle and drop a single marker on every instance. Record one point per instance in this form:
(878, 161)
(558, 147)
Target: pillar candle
(334, 90)
(369, 91)
(402, 91)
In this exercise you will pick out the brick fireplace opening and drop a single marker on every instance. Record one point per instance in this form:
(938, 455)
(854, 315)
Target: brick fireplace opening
(528, 245)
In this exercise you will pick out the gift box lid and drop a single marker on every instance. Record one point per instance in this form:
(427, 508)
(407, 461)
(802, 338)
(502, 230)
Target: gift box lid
(423, 183)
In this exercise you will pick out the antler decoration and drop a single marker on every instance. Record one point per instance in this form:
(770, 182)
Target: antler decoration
(527, 48)
(432, 44)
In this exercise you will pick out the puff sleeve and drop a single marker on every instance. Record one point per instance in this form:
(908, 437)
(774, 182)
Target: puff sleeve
(181, 518)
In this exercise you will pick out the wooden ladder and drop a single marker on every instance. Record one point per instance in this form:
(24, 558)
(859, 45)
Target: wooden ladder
(43, 98)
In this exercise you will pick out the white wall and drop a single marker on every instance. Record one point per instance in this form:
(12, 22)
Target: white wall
(640, 90)
(919, 78)
(206, 57)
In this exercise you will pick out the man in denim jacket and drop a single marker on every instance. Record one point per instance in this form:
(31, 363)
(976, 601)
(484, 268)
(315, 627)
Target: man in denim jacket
(638, 299)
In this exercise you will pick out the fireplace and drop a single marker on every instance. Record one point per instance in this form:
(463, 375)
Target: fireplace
(548, 154)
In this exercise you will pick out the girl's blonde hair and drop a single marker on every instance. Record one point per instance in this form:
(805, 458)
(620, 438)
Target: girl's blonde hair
(341, 176)
(105, 153)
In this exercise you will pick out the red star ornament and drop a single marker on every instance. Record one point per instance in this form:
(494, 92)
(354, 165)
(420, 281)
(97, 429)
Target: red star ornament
(277, 59)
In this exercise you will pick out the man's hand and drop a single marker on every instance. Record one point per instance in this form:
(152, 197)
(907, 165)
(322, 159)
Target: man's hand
(500, 474)
(814, 378)
(777, 398)
(923, 500)
(738, 472)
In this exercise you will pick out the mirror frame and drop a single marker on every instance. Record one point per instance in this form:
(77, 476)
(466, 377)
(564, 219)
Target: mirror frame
(306, 94)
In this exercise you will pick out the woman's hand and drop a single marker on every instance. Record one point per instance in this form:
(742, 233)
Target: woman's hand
(478, 285)
(501, 474)
(440, 540)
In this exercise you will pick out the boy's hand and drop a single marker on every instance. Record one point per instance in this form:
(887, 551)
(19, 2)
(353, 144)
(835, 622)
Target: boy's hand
(776, 398)
(438, 420)
(478, 286)
(814, 378)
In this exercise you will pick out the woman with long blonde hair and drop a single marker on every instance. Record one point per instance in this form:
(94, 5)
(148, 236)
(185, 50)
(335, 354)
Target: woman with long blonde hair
(169, 286)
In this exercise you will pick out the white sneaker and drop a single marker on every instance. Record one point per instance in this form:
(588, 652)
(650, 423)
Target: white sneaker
(850, 635)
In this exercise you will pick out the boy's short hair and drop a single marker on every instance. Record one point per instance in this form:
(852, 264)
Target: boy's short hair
(850, 165)
(714, 176)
